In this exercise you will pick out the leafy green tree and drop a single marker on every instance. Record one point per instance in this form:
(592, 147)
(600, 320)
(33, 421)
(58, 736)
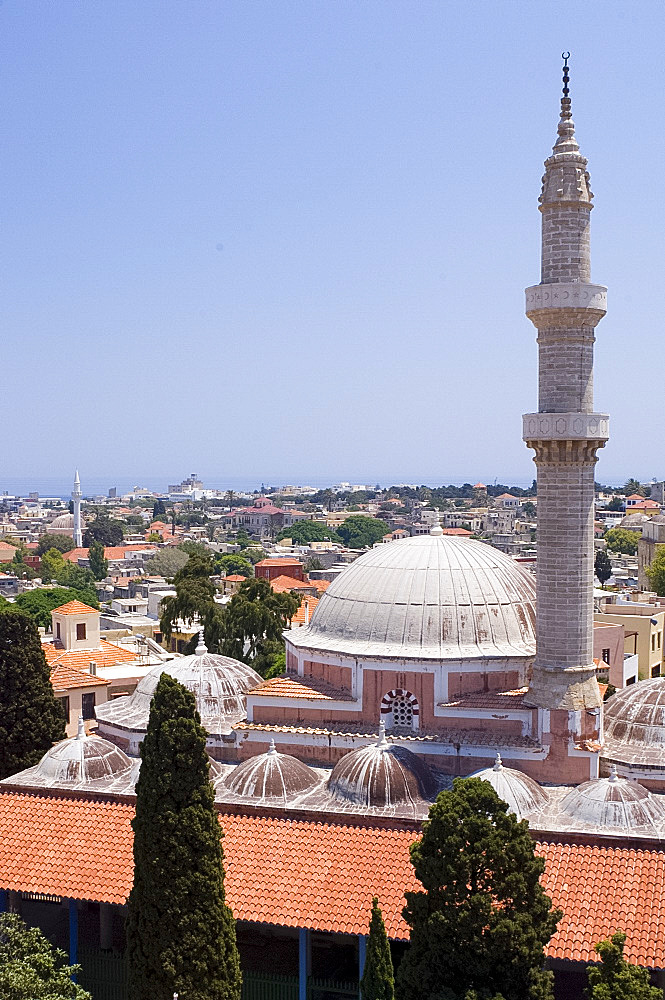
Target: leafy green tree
(242, 538)
(99, 565)
(482, 920)
(616, 503)
(53, 564)
(615, 978)
(180, 931)
(634, 486)
(38, 604)
(63, 543)
(194, 548)
(360, 531)
(622, 540)
(154, 536)
(656, 572)
(529, 509)
(158, 509)
(378, 981)
(30, 718)
(105, 530)
(166, 562)
(31, 968)
(234, 564)
(254, 554)
(194, 599)
(312, 563)
(602, 566)
(304, 532)
(253, 623)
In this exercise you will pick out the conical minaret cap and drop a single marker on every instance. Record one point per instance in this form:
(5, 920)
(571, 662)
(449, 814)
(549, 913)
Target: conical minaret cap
(566, 179)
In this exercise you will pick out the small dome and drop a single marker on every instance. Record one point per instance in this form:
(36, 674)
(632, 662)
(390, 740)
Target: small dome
(63, 522)
(522, 794)
(381, 775)
(613, 804)
(272, 776)
(431, 596)
(218, 683)
(635, 724)
(82, 759)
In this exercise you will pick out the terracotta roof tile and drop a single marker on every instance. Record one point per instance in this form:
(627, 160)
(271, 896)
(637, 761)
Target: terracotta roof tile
(321, 585)
(322, 875)
(307, 688)
(279, 562)
(282, 583)
(303, 615)
(489, 699)
(108, 655)
(64, 677)
(75, 608)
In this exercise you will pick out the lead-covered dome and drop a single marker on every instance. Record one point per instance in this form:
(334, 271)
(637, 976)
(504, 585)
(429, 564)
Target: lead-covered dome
(82, 759)
(381, 775)
(431, 596)
(522, 794)
(65, 522)
(272, 777)
(218, 683)
(635, 724)
(613, 803)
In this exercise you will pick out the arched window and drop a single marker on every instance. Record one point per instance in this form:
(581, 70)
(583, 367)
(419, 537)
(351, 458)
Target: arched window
(400, 710)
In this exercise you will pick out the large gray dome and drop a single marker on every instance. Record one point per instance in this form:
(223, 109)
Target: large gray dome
(218, 683)
(635, 724)
(431, 596)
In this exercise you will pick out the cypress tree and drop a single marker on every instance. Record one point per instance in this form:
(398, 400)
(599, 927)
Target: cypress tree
(180, 932)
(31, 720)
(482, 921)
(378, 981)
(617, 979)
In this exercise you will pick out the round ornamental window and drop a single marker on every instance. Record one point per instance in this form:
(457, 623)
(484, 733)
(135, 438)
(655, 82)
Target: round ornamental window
(402, 710)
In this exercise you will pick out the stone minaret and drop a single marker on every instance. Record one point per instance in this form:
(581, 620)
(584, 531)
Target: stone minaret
(76, 497)
(565, 435)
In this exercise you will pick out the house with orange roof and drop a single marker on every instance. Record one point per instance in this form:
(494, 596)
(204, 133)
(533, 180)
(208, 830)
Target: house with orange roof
(286, 584)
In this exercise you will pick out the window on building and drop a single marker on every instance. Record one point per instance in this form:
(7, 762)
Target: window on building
(653, 642)
(631, 680)
(660, 639)
(399, 710)
(80, 630)
(606, 655)
(64, 705)
(88, 705)
(655, 671)
(57, 630)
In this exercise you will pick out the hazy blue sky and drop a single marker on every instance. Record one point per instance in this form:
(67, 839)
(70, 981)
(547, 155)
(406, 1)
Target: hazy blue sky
(289, 240)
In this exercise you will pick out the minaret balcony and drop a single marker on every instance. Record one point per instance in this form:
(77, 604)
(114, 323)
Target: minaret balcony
(545, 303)
(565, 427)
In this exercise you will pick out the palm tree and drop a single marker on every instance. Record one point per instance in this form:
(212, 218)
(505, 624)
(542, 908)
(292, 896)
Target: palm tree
(230, 496)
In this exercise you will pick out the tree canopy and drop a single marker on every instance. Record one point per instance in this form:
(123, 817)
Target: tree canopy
(105, 530)
(234, 563)
(615, 978)
(31, 968)
(99, 565)
(180, 931)
(378, 981)
(63, 543)
(166, 562)
(30, 718)
(482, 919)
(360, 531)
(622, 540)
(38, 604)
(304, 532)
(194, 599)
(253, 622)
(602, 566)
(656, 572)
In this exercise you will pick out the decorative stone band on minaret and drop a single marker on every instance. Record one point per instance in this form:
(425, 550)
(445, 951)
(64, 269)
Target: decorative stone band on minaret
(565, 433)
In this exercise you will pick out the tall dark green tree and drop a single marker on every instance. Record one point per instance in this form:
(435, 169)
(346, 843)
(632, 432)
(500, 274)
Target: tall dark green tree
(99, 564)
(602, 566)
(158, 509)
(482, 920)
(180, 932)
(378, 981)
(253, 623)
(617, 979)
(30, 718)
(194, 599)
(105, 530)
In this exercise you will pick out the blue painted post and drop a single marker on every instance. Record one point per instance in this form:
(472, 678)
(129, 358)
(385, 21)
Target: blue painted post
(303, 962)
(73, 933)
(3, 900)
(362, 951)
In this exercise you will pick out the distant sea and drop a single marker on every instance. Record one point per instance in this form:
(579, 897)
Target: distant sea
(47, 486)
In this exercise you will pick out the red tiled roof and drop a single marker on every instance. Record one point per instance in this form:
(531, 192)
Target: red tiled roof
(282, 583)
(322, 875)
(111, 551)
(308, 688)
(456, 531)
(108, 655)
(235, 577)
(303, 615)
(321, 585)
(75, 608)
(64, 677)
(279, 562)
(506, 700)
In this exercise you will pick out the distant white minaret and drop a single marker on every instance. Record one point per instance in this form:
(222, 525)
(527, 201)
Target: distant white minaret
(76, 497)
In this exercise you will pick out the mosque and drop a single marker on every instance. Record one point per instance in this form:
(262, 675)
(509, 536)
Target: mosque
(426, 659)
